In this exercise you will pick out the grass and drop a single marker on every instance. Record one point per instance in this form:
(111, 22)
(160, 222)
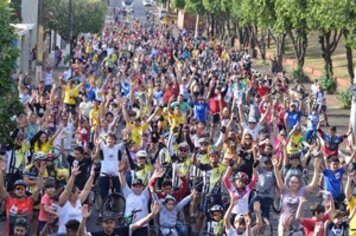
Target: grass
(313, 56)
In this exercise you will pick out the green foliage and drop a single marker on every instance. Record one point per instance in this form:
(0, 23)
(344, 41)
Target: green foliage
(9, 103)
(299, 74)
(194, 6)
(327, 82)
(345, 98)
(88, 16)
(178, 4)
(16, 11)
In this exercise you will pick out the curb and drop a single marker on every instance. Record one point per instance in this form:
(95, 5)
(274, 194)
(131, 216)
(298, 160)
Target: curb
(342, 83)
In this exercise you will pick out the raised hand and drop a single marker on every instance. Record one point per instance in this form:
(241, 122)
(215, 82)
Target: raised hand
(158, 173)
(155, 208)
(85, 211)
(274, 162)
(75, 170)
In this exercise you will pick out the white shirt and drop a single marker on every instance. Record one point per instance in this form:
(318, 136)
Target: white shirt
(85, 108)
(242, 205)
(110, 159)
(136, 202)
(68, 130)
(67, 74)
(68, 212)
(253, 132)
(232, 232)
(48, 78)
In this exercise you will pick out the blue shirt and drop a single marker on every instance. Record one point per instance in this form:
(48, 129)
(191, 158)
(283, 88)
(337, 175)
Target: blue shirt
(333, 181)
(200, 110)
(293, 118)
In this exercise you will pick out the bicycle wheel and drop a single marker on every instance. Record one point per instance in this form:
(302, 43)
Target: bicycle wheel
(115, 202)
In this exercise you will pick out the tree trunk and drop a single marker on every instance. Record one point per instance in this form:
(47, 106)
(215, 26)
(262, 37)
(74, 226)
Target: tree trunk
(328, 42)
(300, 43)
(350, 66)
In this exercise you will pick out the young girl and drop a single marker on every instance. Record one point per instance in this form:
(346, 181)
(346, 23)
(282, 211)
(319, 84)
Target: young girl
(168, 219)
(48, 205)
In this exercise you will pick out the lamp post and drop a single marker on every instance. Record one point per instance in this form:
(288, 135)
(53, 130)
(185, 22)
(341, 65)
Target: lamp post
(69, 26)
(40, 44)
(353, 107)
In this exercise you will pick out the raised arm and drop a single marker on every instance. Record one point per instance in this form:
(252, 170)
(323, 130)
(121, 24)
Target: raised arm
(298, 215)
(185, 201)
(88, 185)
(314, 182)
(154, 211)
(348, 186)
(86, 214)
(3, 192)
(63, 198)
(122, 166)
(39, 183)
(278, 175)
(227, 215)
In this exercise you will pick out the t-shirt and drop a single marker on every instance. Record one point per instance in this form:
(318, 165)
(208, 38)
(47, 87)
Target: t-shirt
(70, 95)
(340, 230)
(17, 208)
(136, 202)
(200, 111)
(84, 168)
(290, 205)
(294, 145)
(45, 201)
(293, 118)
(68, 212)
(254, 132)
(137, 132)
(351, 206)
(110, 156)
(333, 181)
(309, 225)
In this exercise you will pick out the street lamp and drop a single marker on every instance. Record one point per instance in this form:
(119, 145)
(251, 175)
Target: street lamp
(69, 26)
(40, 44)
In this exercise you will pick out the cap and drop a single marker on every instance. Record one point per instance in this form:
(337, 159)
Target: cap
(137, 181)
(252, 120)
(169, 198)
(141, 153)
(108, 215)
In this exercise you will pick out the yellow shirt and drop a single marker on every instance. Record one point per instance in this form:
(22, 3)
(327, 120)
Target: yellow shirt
(294, 143)
(144, 172)
(70, 95)
(94, 116)
(351, 206)
(21, 155)
(137, 132)
(45, 147)
(175, 120)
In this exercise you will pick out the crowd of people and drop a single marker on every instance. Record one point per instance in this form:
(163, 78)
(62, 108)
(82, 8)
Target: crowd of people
(194, 139)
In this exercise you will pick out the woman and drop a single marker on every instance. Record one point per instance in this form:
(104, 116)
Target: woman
(71, 199)
(290, 195)
(42, 143)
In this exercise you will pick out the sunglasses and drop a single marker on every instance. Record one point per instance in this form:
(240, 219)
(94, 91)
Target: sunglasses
(248, 138)
(216, 214)
(183, 150)
(141, 158)
(20, 188)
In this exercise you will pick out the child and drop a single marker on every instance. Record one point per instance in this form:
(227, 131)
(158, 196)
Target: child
(215, 224)
(337, 225)
(168, 214)
(48, 206)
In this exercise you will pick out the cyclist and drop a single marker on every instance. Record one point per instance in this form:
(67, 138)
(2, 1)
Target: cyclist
(332, 141)
(168, 217)
(18, 205)
(312, 124)
(242, 223)
(109, 221)
(215, 225)
(137, 198)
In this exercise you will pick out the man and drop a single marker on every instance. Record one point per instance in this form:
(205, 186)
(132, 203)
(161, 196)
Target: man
(84, 163)
(109, 223)
(292, 116)
(19, 205)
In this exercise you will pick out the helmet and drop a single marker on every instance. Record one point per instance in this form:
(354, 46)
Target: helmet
(213, 151)
(39, 156)
(216, 207)
(242, 176)
(141, 153)
(20, 182)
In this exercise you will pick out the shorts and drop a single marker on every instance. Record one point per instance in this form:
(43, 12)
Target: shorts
(322, 107)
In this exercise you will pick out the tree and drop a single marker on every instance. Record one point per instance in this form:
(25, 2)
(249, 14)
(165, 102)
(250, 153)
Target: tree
(9, 103)
(88, 16)
(291, 18)
(329, 18)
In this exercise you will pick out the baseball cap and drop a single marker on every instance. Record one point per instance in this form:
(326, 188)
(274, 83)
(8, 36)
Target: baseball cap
(141, 153)
(108, 215)
(252, 120)
(137, 181)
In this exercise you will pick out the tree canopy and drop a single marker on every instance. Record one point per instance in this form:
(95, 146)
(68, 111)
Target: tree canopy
(9, 103)
(87, 16)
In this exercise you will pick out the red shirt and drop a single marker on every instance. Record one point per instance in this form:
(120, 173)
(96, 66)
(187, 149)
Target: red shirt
(16, 208)
(309, 225)
(214, 103)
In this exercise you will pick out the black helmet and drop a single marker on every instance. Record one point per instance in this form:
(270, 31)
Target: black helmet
(20, 182)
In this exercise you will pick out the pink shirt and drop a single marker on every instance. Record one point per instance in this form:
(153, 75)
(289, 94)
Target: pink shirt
(45, 201)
